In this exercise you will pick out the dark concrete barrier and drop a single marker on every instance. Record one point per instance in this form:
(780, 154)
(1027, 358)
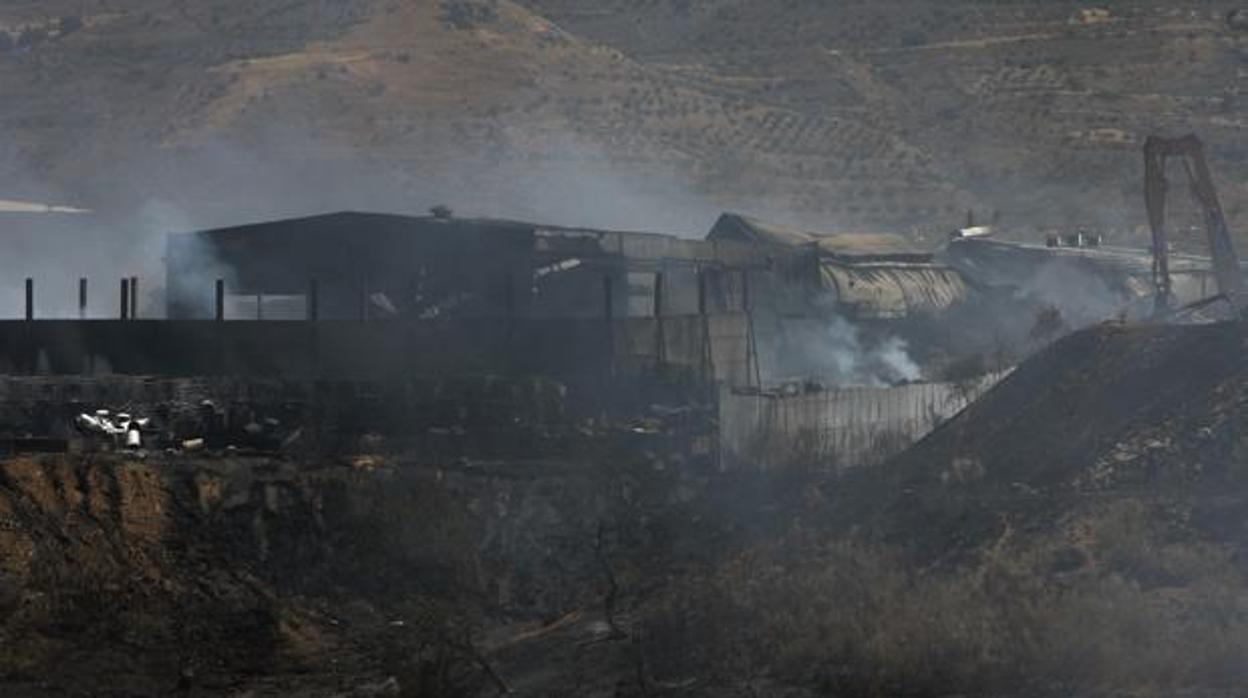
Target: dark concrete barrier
(377, 350)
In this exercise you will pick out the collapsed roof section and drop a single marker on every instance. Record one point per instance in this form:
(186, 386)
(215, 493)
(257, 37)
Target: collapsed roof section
(892, 291)
(853, 246)
(866, 275)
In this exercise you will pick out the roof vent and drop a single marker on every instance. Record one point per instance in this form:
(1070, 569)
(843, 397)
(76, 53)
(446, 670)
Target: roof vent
(442, 212)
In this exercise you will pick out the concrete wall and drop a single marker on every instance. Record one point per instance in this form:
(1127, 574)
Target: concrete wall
(634, 362)
(840, 427)
(708, 347)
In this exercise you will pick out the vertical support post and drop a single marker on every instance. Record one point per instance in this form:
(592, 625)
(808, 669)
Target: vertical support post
(312, 306)
(29, 361)
(660, 340)
(701, 292)
(658, 294)
(746, 303)
(125, 298)
(708, 354)
(89, 359)
(510, 359)
(220, 363)
(608, 315)
(134, 298)
(220, 300)
(313, 301)
(608, 298)
(509, 294)
(752, 364)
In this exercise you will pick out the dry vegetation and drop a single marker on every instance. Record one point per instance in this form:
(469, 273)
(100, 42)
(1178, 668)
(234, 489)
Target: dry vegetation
(854, 619)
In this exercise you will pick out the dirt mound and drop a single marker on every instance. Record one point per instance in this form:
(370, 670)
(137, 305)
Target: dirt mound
(1108, 406)
(1105, 414)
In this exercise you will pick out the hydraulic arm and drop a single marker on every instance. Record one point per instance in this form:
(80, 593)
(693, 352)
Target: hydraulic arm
(1226, 270)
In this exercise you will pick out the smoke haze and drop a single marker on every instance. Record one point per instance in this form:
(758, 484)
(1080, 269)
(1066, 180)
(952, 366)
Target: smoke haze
(835, 349)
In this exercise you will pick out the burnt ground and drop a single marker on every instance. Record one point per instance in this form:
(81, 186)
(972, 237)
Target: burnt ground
(220, 574)
(1149, 411)
(1079, 532)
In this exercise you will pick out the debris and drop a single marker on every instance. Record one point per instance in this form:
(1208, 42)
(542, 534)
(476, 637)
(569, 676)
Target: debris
(389, 687)
(122, 428)
(670, 411)
(90, 423)
(366, 462)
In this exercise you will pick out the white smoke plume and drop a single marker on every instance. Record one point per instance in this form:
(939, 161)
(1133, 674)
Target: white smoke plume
(1083, 297)
(837, 351)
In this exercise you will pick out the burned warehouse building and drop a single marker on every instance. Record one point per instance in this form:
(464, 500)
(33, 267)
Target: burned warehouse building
(786, 330)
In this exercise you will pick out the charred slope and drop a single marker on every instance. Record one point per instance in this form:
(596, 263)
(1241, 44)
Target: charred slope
(1109, 413)
(227, 575)
(146, 578)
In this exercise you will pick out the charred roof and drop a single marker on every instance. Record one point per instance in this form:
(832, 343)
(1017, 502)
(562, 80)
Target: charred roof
(847, 245)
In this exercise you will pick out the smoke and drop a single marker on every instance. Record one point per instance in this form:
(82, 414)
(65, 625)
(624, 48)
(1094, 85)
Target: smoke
(1083, 296)
(895, 362)
(838, 351)
(56, 250)
(283, 173)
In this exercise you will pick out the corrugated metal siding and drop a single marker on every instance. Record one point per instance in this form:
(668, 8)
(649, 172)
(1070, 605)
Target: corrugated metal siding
(889, 291)
(839, 428)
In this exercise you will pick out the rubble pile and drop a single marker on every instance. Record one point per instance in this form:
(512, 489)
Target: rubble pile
(121, 429)
(184, 430)
(469, 419)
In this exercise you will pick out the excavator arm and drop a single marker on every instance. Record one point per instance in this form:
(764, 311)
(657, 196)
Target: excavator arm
(1226, 269)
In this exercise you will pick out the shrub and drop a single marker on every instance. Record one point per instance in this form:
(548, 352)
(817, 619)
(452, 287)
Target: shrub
(858, 619)
(466, 14)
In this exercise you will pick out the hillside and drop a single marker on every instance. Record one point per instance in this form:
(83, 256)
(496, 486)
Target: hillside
(256, 109)
(1037, 108)
(893, 114)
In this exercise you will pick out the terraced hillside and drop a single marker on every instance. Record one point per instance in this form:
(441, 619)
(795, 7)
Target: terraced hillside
(1036, 108)
(236, 109)
(897, 114)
